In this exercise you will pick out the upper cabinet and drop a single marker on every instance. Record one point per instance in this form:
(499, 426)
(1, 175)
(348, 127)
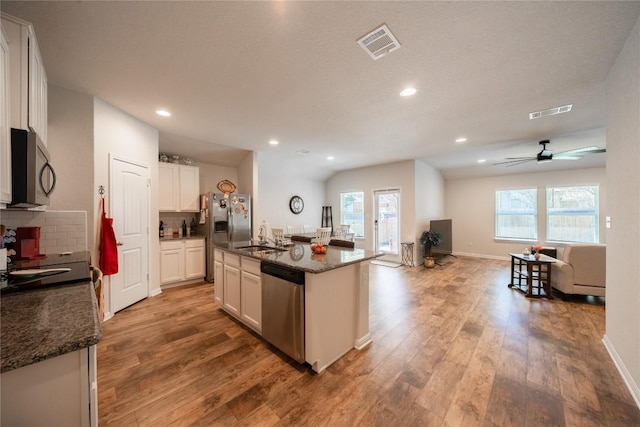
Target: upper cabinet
(5, 134)
(179, 189)
(27, 78)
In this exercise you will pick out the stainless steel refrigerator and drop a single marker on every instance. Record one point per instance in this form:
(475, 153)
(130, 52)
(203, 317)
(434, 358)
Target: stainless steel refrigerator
(224, 218)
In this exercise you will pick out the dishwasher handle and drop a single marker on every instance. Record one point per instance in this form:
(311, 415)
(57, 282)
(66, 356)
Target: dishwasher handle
(285, 273)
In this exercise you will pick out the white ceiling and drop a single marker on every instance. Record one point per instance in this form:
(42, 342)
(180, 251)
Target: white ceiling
(236, 74)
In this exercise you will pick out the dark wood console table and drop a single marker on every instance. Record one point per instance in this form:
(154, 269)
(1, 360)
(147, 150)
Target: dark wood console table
(532, 276)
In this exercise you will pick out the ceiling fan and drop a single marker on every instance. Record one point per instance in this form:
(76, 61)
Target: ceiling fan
(547, 155)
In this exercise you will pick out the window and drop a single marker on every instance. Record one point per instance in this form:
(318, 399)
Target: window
(352, 211)
(516, 214)
(572, 214)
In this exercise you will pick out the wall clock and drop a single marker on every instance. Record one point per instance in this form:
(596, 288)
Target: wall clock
(296, 204)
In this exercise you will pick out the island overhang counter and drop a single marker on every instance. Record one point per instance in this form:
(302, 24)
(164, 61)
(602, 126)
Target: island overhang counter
(336, 295)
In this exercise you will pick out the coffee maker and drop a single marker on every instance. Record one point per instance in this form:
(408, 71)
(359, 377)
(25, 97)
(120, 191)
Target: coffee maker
(27, 245)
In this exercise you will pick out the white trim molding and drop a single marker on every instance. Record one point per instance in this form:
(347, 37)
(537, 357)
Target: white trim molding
(624, 372)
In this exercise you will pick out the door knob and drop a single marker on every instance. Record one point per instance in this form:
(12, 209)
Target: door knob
(119, 243)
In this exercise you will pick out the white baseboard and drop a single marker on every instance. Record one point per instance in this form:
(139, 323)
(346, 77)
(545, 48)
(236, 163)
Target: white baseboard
(362, 342)
(155, 292)
(474, 255)
(624, 372)
(107, 315)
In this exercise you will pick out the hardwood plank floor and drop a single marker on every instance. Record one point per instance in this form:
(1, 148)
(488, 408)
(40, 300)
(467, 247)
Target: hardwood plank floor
(452, 346)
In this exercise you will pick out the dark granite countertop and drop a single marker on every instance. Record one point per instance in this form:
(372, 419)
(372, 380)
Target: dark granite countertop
(300, 257)
(42, 323)
(173, 239)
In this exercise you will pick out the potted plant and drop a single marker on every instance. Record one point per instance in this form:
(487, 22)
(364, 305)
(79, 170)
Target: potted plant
(428, 240)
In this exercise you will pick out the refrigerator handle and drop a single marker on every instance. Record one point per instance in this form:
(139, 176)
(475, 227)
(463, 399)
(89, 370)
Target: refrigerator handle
(230, 230)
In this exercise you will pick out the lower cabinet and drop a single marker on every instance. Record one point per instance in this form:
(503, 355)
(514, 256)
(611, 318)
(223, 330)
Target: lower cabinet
(182, 260)
(238, 287)
(218, 275)
(61, 391)
(251, 294)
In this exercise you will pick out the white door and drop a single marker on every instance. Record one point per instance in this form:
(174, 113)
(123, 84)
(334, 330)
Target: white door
(387, 216)
(130, 213)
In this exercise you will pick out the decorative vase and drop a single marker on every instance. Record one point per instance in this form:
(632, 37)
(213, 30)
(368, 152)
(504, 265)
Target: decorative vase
(536, 255)
(429, 262)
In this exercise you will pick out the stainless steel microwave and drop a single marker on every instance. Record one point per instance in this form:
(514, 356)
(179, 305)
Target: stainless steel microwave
(33, 178)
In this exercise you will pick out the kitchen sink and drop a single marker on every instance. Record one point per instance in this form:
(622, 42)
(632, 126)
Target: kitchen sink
(261, 250)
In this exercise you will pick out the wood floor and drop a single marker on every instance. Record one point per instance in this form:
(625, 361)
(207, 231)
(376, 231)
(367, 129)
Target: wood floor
(452, 346)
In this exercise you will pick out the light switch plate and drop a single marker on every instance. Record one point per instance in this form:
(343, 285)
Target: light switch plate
(607, 221)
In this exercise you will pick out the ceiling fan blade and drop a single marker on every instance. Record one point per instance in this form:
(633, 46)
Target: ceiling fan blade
(515, 161)
(581, 151)
(566, 157)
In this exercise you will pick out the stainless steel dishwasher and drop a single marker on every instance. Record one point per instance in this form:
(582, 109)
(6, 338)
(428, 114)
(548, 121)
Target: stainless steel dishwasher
(283, 308)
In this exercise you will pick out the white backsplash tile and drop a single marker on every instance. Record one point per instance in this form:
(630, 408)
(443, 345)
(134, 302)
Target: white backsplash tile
(60, 231)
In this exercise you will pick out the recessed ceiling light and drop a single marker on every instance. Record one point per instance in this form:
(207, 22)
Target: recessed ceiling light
(482, 160)
(330, 157)
(550, 112)
(461, 140)
(163, 113)
(274, 142)
(408, 91)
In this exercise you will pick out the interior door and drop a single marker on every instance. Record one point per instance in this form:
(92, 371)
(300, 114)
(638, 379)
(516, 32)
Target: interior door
(130, 213)
(387, 215)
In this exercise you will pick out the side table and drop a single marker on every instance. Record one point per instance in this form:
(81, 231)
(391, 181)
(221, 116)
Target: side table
(407, 253)
(532, 276)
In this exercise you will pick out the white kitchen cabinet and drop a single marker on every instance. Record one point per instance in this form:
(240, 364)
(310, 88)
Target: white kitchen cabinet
(5, 133)
(218, 276)
(251, 294)
(27, 76)
(167, 190)
(171, 262)
(182, 261)
(189, 188)
(231, 283)
(179, 189)
(60, 391)
(194, 259)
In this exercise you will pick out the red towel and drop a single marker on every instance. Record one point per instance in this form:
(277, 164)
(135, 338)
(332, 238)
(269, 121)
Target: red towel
(108, 245)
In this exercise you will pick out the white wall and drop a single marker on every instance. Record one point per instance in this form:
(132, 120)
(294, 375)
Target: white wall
(403, 175)
(274, 193)
(211, 175)
(470, 203)
(623, 249)
(70, 144)
(429, 198)
(120, 134)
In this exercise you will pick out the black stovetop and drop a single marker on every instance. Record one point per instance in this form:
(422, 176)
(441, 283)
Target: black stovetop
(77, 264)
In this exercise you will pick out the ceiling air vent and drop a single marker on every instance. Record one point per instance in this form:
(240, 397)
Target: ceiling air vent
(550, 112)
(379, 42)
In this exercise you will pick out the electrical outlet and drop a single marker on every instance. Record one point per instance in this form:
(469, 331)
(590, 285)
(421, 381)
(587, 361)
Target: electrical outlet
(607, 221)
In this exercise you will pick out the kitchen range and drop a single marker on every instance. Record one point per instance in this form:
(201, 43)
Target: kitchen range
(48, 326)
(314, 307)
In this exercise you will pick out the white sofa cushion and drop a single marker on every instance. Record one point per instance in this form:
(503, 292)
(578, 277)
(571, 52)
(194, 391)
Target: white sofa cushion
(582, 269)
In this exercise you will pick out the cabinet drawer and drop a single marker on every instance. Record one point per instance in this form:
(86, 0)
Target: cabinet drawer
(251, 265)
(218, 255)
(171, 245)
(194, 243)
(232, 259)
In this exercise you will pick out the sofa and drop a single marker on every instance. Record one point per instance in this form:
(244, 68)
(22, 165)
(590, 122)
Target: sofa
(582, 270)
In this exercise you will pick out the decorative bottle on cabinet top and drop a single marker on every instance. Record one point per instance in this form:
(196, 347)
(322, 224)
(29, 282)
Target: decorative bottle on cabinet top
(161, 229)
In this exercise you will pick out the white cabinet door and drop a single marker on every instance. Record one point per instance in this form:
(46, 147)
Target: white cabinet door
(194, 259)
(27, 76)
(218, 280)
(189, 188)
(167, 188)
(179, 188)
(171, 264)
(251, 304)
(231, 285)
(5, 134)
(37, 89)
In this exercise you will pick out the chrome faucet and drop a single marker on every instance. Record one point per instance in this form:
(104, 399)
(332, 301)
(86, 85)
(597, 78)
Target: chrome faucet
(262, 234)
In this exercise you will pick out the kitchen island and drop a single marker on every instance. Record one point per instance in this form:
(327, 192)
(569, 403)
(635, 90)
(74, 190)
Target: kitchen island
(336, 294)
